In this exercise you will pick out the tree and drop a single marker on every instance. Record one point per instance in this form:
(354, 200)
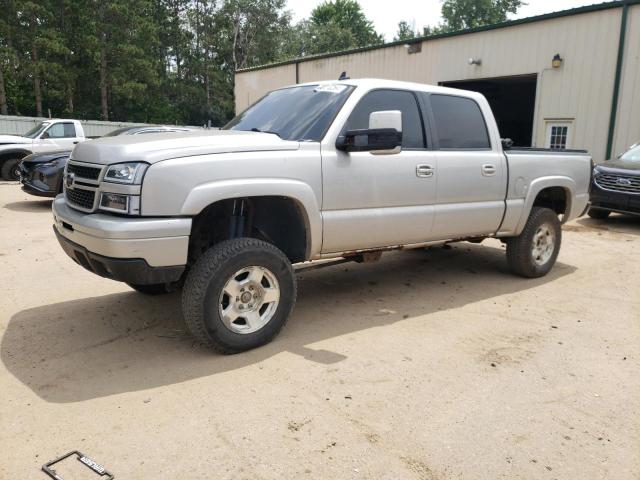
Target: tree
(462, 14)
(406, 31)
(333, 26)
(346, 15)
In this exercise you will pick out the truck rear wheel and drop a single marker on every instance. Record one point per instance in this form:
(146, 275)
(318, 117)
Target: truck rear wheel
(238, 295)
(533, 253)
(10, 169)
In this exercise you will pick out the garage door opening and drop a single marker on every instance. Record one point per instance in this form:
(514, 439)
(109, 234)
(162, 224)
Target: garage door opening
(512, 100)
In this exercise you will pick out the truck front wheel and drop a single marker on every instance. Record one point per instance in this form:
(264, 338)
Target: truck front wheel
(533, 253)
(10, 169)
(238, 295)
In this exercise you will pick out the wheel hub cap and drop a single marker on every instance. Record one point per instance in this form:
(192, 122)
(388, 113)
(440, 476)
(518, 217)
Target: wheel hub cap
(544, 242)
(249, 299)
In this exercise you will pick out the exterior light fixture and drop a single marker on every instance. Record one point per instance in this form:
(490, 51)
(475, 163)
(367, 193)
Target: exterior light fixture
(415, 47)
(475, 61)
(557, 61)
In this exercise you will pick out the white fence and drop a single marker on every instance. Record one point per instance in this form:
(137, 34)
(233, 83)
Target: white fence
(12, 125)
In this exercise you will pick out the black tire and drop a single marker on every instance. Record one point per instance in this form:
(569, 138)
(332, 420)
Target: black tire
(520, 255)
(10, 170)
(598, 214)
(203, 294)
(153, 289)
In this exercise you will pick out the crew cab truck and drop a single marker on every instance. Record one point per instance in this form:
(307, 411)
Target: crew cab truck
(327, 170)
(47, 136)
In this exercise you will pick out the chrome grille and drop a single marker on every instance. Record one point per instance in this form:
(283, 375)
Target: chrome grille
(81, 184)
(82, 171)
(80, 197)
(619, 182)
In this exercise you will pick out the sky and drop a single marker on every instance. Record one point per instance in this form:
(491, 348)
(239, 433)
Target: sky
(424, 12)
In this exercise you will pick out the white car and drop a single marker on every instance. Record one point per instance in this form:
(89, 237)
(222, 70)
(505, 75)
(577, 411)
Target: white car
(47, 136)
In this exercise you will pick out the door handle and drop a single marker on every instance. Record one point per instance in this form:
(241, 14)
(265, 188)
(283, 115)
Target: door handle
(488, 170)
(424, 171)
(76, 142)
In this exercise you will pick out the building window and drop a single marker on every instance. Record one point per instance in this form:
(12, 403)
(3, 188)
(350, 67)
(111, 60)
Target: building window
(558, 135)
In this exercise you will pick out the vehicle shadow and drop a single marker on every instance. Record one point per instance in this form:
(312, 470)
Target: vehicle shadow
(30, 205)
(105, 345)
(614, 223)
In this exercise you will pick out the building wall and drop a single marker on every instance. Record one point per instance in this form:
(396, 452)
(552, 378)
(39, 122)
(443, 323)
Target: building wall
(628, 119)
(251, 85)
(581, 90)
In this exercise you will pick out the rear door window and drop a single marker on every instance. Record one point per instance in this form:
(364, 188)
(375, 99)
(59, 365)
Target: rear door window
(459, 123)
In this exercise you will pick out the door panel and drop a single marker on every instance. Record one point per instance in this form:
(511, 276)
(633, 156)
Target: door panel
(376, 200)
(470, 198)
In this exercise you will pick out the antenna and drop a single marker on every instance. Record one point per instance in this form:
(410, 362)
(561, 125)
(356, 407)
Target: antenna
(343, 76)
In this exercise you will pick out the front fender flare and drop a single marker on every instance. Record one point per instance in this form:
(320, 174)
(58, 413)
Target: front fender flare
(539, 184)
(208, 193)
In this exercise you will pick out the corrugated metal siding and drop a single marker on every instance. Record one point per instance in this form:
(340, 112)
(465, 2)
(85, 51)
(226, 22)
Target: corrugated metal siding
(580, 90)
(13, 125)
(628, 121)
(250, 86)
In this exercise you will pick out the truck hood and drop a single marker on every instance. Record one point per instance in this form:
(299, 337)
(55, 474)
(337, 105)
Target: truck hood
(36, 158)
(619, 164)
(11, 139)
(155, 147)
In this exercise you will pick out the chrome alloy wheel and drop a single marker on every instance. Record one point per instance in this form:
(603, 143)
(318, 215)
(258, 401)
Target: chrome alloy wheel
(544, 244)
(249, 299)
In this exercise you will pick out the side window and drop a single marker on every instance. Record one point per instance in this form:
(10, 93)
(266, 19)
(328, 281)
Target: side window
(459, 123)
(69, 130)
(379, 100)
(56, 130)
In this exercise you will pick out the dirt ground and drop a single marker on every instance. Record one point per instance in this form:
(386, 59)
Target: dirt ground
(427, 365)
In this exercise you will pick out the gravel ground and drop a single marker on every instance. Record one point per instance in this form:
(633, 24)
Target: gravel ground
(430, 364)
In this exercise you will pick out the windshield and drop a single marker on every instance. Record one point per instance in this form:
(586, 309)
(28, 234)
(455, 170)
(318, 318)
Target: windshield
(632, 155)
(37, 130)
(296, 113)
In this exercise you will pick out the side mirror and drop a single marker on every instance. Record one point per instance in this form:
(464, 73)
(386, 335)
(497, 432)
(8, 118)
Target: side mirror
(44, 136)
(384, 135)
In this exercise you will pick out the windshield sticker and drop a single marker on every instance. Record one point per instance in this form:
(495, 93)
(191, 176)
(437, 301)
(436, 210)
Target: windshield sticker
(331, 88)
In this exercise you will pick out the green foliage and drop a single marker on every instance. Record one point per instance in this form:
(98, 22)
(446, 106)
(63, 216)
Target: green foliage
(157, 61)
(462, 14)
(405, 32)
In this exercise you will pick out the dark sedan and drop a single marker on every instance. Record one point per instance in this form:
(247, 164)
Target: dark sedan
(616, 185)
(41, 173)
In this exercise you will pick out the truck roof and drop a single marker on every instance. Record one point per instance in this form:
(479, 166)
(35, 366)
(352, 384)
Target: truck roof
(371, 83)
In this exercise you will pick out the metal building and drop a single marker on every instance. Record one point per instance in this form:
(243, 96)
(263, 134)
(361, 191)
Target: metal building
(568, 79)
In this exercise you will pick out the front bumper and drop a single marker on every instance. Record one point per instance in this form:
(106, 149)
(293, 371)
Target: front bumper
(129, 249)
(614, 201)
(131, 270)
(41, 181)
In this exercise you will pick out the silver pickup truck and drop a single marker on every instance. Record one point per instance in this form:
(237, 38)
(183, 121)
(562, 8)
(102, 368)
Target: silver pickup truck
(328, 170)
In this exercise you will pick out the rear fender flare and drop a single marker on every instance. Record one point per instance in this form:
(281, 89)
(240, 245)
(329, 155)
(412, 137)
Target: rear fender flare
(539, 184)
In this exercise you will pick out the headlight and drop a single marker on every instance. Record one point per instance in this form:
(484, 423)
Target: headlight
(126, 172)
(118, 203)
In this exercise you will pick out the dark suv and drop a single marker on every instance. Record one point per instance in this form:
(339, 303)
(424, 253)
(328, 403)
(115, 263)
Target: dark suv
(616, 185)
